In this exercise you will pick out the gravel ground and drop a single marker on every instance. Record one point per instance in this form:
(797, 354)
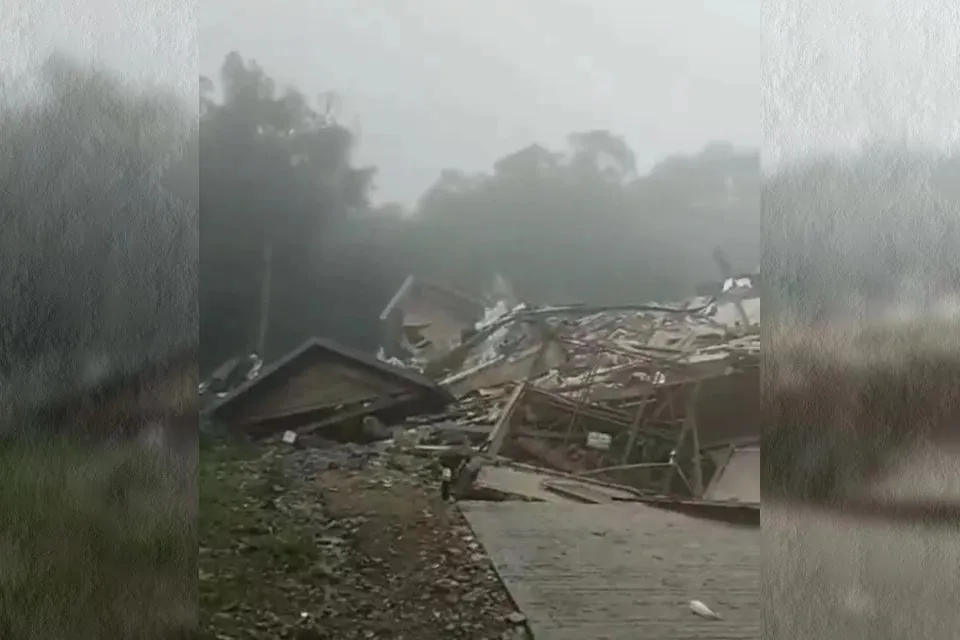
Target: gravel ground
(340, 544)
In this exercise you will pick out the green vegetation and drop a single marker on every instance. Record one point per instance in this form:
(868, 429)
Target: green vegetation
(258, 554)
(96, 544)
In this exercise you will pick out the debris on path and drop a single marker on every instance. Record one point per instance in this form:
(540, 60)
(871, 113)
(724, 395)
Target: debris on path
(293, 548)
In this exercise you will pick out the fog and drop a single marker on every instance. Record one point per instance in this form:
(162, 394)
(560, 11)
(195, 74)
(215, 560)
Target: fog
(642, 121)
(860, 234)
(433, 84)
(585, 152)
(150, 45)
(99, 252)
(838, 76)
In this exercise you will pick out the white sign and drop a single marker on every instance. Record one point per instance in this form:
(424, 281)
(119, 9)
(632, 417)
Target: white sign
(597, 440)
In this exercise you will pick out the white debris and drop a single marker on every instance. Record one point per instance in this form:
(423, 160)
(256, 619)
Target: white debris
(703, 610)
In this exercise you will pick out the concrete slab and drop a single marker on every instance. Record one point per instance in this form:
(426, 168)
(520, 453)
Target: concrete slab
(519, 482)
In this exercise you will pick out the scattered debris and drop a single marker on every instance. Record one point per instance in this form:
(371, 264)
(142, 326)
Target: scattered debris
(230, 375)
(516, 618)
(341, 542)
(635, 395)
(342, 527)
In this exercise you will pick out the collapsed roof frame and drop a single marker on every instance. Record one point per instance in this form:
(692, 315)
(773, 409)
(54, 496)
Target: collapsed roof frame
(645, 423)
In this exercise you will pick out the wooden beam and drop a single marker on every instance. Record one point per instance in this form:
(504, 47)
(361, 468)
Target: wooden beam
(498, 434)
(689, 423)
(634, 431)
(502, 428)
(691, 418)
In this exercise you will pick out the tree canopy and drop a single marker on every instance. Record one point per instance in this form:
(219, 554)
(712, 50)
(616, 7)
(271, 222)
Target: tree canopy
(878, 225)
(106, 255)
(577, 224)
(100, 254)
(275, 172)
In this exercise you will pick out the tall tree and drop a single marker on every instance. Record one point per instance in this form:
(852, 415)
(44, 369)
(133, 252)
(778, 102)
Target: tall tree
(275, 171)
(874, 226)
(580, 224)
(577, 224)
(100, 257)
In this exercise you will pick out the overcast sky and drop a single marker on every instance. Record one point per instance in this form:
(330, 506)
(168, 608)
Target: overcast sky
(438, 83)
(435, 83)
(150, 42)
(837, 73)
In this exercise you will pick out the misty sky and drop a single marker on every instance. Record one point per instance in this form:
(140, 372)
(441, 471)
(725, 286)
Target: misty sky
(434, 83)
(437, 83)
(149, 42)
(838, 73)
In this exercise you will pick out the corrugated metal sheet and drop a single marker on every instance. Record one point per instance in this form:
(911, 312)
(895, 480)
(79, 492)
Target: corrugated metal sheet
(622, 572)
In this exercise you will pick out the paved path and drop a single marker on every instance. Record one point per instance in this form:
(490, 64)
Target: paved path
(627, 571)
(519, 482)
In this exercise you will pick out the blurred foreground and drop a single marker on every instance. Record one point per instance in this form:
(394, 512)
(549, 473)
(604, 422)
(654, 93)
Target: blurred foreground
(827, 576)
(97, 543)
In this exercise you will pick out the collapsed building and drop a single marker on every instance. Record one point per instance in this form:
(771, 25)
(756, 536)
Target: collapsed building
(660, 399)
(630, 422)
(663, 399)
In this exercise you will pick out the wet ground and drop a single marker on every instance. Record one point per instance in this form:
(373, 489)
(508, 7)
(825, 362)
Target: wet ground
(830, 577)
(622, 571)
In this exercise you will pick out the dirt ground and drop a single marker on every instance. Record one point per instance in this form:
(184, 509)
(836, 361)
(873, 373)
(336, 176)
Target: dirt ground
(830, 577)
(295, 552)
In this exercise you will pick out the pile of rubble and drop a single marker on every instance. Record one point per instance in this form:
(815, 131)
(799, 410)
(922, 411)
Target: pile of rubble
(654, 397)
(339, 531)
(341, 542)
(577, 389)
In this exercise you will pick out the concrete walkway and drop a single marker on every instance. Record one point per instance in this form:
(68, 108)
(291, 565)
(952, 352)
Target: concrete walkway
(621, 572)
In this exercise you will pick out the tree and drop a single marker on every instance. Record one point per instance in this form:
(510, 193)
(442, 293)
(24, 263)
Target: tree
(572, 225)
(874, 226)
(581, 225)
(100, 257)
(275, 171)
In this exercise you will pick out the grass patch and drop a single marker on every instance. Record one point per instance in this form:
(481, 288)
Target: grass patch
(96, 543)
(260, 564)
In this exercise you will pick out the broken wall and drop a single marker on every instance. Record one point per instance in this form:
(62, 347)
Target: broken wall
(441, 325)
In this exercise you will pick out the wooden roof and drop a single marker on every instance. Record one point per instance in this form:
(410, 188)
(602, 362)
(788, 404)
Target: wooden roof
(314, 347)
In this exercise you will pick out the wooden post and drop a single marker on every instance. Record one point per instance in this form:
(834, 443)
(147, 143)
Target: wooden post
(635, 429)
(691, 419)
(265, 300)
(500, 431)
(689, 427)
(498, 434)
